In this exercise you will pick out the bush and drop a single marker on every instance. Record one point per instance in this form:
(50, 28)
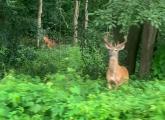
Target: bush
(3, 56)
(68, 96)
(49, 61)
(93, 54)
(40, 62)
(158, 70)
(17, 58)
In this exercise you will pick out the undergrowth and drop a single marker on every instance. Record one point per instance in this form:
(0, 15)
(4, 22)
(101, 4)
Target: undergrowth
(50, 61)
(51, 85)
(70, 97)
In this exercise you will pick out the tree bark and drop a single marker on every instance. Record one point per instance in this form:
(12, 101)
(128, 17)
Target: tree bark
(86, 15)
(148, 40)
(75, 21)
(132, 46)
(39, 23)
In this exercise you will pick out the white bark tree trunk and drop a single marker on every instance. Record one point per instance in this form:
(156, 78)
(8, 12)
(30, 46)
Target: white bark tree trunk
(75, 21)
(39, 23)
(86, 15)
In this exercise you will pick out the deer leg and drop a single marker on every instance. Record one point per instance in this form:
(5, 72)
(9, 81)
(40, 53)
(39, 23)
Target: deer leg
(116, 85)
(109, 85)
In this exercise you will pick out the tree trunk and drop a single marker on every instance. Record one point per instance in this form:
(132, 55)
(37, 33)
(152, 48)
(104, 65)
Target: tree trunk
(148, 40)
(86, 15)
(39, 23)
(132, 46)
(75, 21)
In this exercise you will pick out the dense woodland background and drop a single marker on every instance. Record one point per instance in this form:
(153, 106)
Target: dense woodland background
(68, 82)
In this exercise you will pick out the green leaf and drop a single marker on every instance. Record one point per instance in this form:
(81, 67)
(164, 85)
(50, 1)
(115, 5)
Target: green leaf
(75, 90)
(36, 108)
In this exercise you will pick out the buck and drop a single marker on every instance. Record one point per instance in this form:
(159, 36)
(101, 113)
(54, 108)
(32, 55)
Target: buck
(116, 74)
(50, 43)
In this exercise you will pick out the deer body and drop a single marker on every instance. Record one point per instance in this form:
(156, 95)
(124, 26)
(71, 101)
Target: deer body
(50, 43)
(116, 74)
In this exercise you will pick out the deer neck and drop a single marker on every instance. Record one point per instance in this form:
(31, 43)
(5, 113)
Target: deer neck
(113, 63)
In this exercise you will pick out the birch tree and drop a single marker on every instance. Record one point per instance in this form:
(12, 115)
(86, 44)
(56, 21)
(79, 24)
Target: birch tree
(86, 15)
(75, 21)
(39, 23)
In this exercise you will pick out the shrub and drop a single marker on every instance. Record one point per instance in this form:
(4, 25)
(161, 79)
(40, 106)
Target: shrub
(17, 58)
(67, 97)
(93, 54)
(158, 70)
(49, 61)
(3, 56)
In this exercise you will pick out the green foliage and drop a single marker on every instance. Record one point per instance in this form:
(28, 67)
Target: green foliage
(57, 16)
(3, 53)
(93, 54)
(15, 17)
(22, 55)
(49, 61)
(67, 96)
(158, 64)
(40, 62)
(158, 70)
(15, 58)
(128, 13)
(19, 18)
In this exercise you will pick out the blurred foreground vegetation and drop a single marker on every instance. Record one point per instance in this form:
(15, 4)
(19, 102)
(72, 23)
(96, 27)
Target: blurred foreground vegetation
(71, 97)
(53, 86)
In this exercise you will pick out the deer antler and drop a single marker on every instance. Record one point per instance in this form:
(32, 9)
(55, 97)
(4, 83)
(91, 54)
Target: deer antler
(106, 39)
(121, 44)
(125, 39)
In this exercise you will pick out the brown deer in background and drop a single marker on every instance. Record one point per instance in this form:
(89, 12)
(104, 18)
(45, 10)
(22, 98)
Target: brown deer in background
(116, 74)
(49, 42)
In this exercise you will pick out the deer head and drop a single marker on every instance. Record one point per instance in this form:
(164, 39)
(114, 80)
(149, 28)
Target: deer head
(114, 48)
